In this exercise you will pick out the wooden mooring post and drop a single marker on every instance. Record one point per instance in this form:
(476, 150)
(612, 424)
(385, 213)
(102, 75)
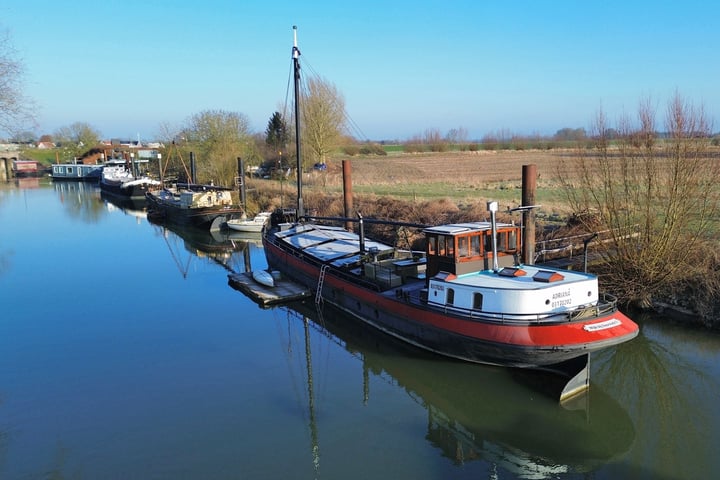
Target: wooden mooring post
(347, 192)
(529, 181)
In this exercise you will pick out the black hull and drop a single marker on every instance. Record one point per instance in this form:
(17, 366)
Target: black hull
(123, 202)
(134, 192)
(89, 178)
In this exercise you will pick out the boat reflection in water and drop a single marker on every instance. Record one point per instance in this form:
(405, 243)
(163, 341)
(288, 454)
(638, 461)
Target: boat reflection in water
(477, 412)
(220, 247)
(127, 205)
(80, 200)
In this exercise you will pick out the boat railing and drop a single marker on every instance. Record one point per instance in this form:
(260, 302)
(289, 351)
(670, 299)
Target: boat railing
(202, 187)
(571, 246)
(605, 306)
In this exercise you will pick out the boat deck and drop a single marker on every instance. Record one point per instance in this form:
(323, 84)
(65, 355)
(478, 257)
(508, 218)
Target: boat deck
(330, 244)
(523, 277)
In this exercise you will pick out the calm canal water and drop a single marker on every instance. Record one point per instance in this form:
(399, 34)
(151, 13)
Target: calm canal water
(125, 354)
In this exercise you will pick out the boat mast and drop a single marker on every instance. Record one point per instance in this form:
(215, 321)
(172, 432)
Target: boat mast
(296, 68)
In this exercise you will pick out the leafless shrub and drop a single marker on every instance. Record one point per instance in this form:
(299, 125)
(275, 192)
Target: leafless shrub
(656, 199)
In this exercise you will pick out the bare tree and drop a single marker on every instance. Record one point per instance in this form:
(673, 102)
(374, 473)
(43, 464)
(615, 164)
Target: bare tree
(434, 140)
(323, 118)
(16, 111)
(653, 198)
(457, 136)
(168, 133)
(219, 137)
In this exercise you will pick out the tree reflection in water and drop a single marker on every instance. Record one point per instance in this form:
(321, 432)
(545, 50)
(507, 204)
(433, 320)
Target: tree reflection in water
(665, 380)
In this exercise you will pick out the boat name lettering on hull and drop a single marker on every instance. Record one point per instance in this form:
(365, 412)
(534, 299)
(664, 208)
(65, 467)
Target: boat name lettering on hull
(562, 298)
(594, 327)
(562, 303)
(559, 295)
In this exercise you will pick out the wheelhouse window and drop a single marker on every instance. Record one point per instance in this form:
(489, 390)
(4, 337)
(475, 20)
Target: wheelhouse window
(442, 245)
(441, 248)
(512, 240)
(463, 246)
(507, 241)
(488, 241)
(502, 241)
(476, 245)
(432, 245)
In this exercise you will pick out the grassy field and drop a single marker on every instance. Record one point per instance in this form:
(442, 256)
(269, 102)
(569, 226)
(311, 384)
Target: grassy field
(46, 157)
(462, 177)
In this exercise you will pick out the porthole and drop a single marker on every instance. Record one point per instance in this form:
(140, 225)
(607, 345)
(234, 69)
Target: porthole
(547, 302)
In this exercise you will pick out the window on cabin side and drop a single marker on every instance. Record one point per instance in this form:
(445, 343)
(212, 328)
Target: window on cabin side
(450, 296)
(450, 244)
(477, 300)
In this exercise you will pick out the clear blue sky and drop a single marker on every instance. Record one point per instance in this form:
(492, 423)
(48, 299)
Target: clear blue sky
(128, 66)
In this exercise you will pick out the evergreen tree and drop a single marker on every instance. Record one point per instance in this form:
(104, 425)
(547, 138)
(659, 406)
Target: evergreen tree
(276, 134)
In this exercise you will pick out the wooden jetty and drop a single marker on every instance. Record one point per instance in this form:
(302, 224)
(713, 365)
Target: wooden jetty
(284, 290)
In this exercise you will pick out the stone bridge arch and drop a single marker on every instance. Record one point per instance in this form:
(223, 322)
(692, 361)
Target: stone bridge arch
(6, 161)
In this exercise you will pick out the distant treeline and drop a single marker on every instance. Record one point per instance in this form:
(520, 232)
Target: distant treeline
(432, 141)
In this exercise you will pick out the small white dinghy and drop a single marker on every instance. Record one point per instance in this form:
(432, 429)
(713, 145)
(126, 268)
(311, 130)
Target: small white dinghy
(255, 225)
(263, 277)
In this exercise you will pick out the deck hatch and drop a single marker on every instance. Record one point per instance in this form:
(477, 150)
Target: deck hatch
(547, 276)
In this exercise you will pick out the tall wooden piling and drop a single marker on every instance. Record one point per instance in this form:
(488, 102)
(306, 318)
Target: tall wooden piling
(193, 169)
(347, 192)
(241, 182)
(529, 180)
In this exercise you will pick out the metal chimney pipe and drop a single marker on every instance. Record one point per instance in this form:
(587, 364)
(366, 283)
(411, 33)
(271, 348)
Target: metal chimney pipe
(493, 207)
(362, 233)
